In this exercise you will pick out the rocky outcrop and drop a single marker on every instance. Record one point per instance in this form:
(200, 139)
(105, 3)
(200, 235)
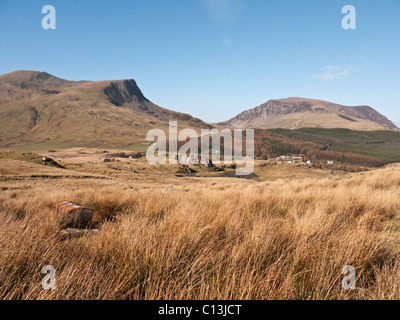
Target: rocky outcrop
(126, 92)
(270, 109)
(46, 161)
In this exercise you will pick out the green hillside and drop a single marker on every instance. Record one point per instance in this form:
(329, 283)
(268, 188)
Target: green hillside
(363, 147)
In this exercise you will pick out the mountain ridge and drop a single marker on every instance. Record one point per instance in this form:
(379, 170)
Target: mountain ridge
(37, 107)
(295, 113)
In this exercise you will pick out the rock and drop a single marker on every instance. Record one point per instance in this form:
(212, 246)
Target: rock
(73, 215)
(50, 162)
(185, 170)
(214, 168)
(72, 233)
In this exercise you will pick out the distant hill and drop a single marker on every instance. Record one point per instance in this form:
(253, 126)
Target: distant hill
(296, 113)
(39, 108)
(367, 148)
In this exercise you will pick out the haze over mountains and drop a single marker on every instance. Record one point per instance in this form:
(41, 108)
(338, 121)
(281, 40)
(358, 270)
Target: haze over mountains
(36, 107)
(39, 108)
(296, 113)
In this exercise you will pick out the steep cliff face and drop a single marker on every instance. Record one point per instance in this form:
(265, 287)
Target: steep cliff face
(126, 92)
(294, 113)
(269, 110)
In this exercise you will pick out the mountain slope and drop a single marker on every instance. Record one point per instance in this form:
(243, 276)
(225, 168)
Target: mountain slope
(295, 113)
(38, 108)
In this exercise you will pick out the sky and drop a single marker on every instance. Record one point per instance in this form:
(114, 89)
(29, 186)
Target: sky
(215, 58)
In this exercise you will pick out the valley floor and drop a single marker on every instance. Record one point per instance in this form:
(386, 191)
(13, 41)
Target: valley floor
(286, 234)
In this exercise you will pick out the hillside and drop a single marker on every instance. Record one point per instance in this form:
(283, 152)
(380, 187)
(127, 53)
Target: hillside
(296, 113)
(39, 108)
(367, 148)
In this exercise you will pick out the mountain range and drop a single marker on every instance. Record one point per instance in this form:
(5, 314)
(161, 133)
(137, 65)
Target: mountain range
(39, 108)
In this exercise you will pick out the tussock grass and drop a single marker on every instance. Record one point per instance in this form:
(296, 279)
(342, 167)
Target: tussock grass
(273, 240)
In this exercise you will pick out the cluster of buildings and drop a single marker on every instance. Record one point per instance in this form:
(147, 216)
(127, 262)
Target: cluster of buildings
(296, 159)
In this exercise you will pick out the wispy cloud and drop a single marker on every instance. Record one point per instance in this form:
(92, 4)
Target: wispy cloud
(227, 41)
(223, 10)
(333, 73)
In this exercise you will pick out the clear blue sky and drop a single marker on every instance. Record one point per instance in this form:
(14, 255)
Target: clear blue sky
(215, 58)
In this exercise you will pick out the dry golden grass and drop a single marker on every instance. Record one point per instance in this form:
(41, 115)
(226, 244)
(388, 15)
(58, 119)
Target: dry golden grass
(215, 240)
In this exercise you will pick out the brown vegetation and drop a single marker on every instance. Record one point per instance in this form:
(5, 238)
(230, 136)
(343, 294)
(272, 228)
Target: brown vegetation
(216, 239)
